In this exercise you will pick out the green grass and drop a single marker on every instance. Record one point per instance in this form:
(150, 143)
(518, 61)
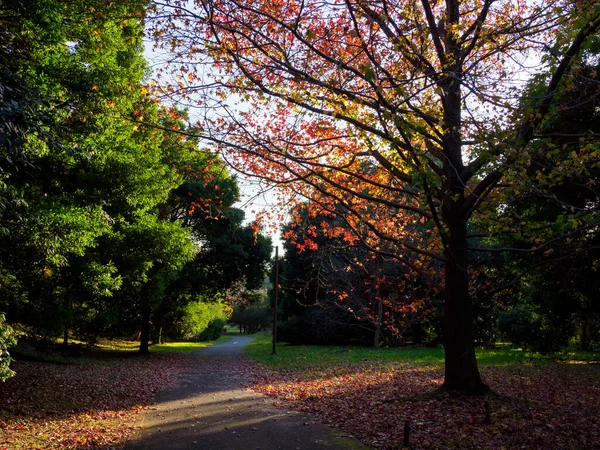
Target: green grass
(330, 356)
(177, 347)
(78, 353)
(115, 345)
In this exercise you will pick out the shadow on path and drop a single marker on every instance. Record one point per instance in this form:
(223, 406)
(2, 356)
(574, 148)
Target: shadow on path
(209, 409)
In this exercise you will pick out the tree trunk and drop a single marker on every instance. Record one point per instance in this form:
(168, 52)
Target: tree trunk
(416, 331)
(66, 338)
(378, 324)
(461, 371)
(585, 342)
(145, 334)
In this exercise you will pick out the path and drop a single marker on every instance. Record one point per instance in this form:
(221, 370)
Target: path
(209, 410)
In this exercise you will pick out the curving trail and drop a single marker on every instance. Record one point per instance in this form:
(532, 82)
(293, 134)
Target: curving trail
(209, 409)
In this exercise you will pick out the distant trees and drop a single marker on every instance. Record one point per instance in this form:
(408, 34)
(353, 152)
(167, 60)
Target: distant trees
(252, 310)
(335, 290)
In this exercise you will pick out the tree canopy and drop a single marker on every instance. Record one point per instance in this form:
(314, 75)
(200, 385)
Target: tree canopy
(102, 207)
(400, 114)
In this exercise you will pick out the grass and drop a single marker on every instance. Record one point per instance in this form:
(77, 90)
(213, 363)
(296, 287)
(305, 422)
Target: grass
(79, 353)
(178, 347)
(542, 401)
(330, 356)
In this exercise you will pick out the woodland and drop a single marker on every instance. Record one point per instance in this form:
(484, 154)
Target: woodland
(111, 224)
(434, 166)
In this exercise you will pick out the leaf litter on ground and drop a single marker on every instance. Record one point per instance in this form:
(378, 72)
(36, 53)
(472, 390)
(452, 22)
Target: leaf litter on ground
(550, 405)
(93, 405)
(78, 406)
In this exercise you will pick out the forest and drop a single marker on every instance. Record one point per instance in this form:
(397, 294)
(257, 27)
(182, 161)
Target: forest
(112, 223)
(434, 168)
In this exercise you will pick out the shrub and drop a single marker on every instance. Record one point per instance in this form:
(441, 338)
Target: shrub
(213, 330)
(203, 321)
(529, 330)
(7, 339)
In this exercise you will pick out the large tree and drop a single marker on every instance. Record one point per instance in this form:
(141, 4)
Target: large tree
(406, 113)
(75, 168)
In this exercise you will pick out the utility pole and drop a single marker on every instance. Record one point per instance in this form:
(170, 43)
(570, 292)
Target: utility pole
(275, 288)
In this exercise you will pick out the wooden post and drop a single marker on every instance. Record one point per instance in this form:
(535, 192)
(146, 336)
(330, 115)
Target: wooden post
(406, 442)
(488, 412)
(275, 288)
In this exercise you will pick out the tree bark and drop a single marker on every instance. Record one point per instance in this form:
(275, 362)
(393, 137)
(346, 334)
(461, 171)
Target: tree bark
(461, 371)
(145, 334)
(378, 324)
(66, 338)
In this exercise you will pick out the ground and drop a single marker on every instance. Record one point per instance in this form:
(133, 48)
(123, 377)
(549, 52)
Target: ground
(103, 402)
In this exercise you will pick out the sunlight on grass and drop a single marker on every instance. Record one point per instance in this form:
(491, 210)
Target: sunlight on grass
(177, 347)
(330, 356)
(117, 346)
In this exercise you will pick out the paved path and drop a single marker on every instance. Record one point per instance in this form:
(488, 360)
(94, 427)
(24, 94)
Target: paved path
(209, 410)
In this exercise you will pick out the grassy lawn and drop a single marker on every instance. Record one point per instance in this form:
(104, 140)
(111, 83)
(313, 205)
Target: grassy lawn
(329, 356)
(80, 354)
(178, 347)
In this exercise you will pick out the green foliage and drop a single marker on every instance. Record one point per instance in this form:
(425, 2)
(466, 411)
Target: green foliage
(551, 205)
(7, 339)
(204, 321)
(531, 331)
(231, 253)
(517, 325)
(79, 234)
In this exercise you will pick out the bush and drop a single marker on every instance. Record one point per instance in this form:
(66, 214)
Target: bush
(213, 330)
(7, 339)
(203, 321)
(529, 330)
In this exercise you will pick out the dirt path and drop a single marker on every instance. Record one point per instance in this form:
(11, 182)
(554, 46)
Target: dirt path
(209, 409)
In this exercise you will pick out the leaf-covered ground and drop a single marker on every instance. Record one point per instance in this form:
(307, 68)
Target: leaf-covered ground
(92, 404)
(537, 406)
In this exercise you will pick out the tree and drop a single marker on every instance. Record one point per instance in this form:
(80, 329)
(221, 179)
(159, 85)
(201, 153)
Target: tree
(76, 168)
(251, 311)
(421, 89)
(7, 339)
(351, 294)
(556, 290)
(153, 253)
(229, 252)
